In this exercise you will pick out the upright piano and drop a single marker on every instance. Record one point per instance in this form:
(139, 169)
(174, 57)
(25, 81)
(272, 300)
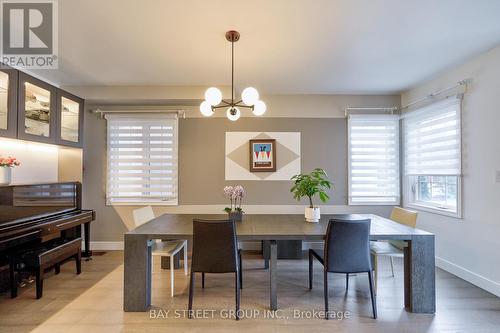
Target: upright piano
(33, 214)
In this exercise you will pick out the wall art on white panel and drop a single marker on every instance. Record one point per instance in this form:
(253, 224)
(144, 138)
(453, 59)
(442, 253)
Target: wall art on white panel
(237, 163)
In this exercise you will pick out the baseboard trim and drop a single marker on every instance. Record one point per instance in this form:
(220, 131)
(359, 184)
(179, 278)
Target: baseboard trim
(106, 246)
(463, 273)
(313, 245)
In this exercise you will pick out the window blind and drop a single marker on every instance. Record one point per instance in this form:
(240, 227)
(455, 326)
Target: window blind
(142, 159)
(373, 159)
(432, 139)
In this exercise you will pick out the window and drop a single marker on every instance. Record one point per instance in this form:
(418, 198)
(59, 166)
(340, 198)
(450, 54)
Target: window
(432, 154)
(142, 160)
(373, 160)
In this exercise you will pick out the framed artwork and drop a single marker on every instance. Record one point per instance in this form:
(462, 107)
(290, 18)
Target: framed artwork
(263, 155)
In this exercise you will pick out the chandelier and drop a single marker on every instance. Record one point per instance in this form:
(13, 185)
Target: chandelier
(249, 96)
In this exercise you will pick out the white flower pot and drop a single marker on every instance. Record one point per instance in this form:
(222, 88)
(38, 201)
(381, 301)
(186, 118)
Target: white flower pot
(5, 175)
(312, 214)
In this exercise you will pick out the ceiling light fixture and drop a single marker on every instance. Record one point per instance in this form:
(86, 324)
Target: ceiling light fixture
(249, 96)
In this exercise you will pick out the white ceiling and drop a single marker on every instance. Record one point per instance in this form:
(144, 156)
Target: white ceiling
(286, 46)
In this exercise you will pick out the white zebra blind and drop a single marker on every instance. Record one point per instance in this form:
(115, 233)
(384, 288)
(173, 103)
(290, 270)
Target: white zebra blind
(142, 159)
(373, 145)
(432, 139)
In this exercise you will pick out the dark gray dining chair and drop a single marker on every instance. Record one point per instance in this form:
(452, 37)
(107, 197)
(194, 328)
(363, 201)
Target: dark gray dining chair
(215, 250)
(347, 250)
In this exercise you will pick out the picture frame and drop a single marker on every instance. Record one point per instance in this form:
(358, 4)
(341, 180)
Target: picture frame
(262, 155)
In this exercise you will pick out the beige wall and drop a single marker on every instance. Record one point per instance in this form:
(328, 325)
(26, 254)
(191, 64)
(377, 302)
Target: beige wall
(468, 247)
(70, 164)
(201, 160)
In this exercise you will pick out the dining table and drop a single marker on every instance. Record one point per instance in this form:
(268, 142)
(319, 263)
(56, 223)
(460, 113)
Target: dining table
(419, 253)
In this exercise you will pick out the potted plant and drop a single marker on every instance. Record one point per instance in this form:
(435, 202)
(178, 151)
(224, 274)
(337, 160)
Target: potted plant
(6, 165)
(235, 195)
(309, 185)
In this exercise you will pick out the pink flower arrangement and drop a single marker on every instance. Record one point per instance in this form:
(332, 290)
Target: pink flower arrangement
(235, 195)
(9, 162)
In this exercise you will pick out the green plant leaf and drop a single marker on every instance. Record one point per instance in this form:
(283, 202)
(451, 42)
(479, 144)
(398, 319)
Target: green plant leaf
(323, 196)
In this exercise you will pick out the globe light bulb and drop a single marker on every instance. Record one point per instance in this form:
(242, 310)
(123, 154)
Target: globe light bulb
(233, 113)
(213, 96)
(259, 108)
(250, 95)
(206, 109)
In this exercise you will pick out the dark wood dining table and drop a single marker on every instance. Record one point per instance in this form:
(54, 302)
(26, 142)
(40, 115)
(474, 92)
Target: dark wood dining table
(419, 256)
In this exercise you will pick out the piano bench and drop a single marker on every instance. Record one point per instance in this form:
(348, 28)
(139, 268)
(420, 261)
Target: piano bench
(43, 257)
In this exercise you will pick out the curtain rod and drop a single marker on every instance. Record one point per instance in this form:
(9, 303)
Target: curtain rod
(463, 82)
(386, 109)
(179, 112)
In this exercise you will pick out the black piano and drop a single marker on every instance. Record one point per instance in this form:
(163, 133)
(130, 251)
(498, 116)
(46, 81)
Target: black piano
(37, 214)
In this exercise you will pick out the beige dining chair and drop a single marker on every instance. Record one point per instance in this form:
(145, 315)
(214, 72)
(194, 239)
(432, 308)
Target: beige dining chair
(392, 249)
(159, 247)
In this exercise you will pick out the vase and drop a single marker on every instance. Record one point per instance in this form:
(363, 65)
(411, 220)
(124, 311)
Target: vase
(236, 216)
(312, 214)
(5, 175)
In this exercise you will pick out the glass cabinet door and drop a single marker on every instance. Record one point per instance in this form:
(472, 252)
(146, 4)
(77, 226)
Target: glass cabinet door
(37, 110)
(37, 117)
(4, 100)
(8, 102)
(70, 119)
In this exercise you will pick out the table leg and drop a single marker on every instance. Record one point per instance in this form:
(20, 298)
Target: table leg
(420, 275)
(86, 240)
(265, 253)
(273, 272)
(137, 274)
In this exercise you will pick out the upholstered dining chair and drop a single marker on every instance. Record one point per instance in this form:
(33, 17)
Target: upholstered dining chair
(215, 250)
(392, 249)
(159, 247)
(346, 251)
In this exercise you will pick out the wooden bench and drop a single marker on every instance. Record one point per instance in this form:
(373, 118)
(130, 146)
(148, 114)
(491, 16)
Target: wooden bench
(43, 257)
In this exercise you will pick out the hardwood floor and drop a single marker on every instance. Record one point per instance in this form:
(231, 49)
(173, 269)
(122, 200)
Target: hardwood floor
(92, 302)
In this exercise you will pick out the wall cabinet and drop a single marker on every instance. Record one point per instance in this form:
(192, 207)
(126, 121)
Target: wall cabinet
(69, 119)
(37, 110)
(31, 109)
(8, 102)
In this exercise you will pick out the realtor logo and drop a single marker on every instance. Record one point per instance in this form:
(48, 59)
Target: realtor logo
(29, 33)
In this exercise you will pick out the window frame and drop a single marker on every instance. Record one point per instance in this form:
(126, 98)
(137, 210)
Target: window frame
(409, 200)
(139, 116)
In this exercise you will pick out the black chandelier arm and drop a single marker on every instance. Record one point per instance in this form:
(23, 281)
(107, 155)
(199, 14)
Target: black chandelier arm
(244, 106)
(232, 102)
(220, 106)
(238, 105)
